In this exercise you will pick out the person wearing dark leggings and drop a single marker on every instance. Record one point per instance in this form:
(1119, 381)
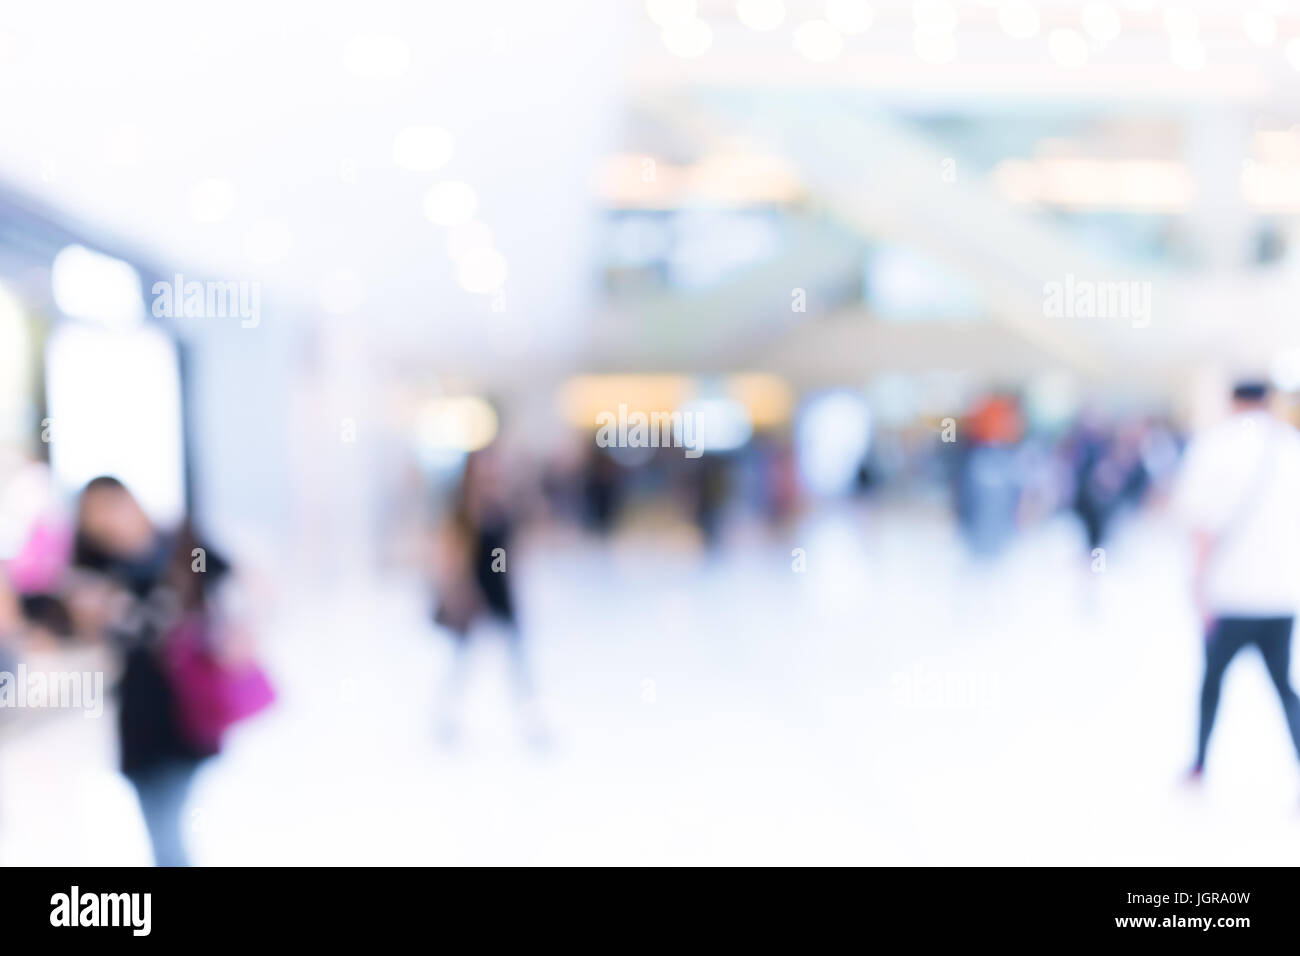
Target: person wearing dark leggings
(1237, 493)
(1272, 635)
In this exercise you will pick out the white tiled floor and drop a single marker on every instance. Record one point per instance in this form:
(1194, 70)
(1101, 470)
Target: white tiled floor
(893, 703)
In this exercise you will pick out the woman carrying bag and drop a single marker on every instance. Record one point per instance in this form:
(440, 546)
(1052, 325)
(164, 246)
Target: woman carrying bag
(187, 674)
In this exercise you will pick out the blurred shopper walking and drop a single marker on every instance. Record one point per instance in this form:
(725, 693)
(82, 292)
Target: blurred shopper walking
(987, 480)
(1109, 476)
(472, 561)
(1238, 493)
(165, 602)
(1098, 482)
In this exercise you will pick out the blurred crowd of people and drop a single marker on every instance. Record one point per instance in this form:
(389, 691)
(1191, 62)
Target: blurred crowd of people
(1003, 473)
(177, 620)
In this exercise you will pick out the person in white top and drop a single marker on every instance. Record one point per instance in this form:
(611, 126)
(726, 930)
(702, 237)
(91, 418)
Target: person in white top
(1239, 491)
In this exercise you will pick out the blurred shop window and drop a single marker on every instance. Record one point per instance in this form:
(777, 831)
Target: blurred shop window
(689, 250)
(96, 287)
(114, 400)
(17, 418)
(710, 246)
(903, 285)
(15, 376)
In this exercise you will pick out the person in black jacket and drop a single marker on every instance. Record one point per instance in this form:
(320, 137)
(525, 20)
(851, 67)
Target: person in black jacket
(474, 585)
(148, 577)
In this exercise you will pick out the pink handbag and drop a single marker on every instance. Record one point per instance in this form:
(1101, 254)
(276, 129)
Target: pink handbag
(210, 695)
